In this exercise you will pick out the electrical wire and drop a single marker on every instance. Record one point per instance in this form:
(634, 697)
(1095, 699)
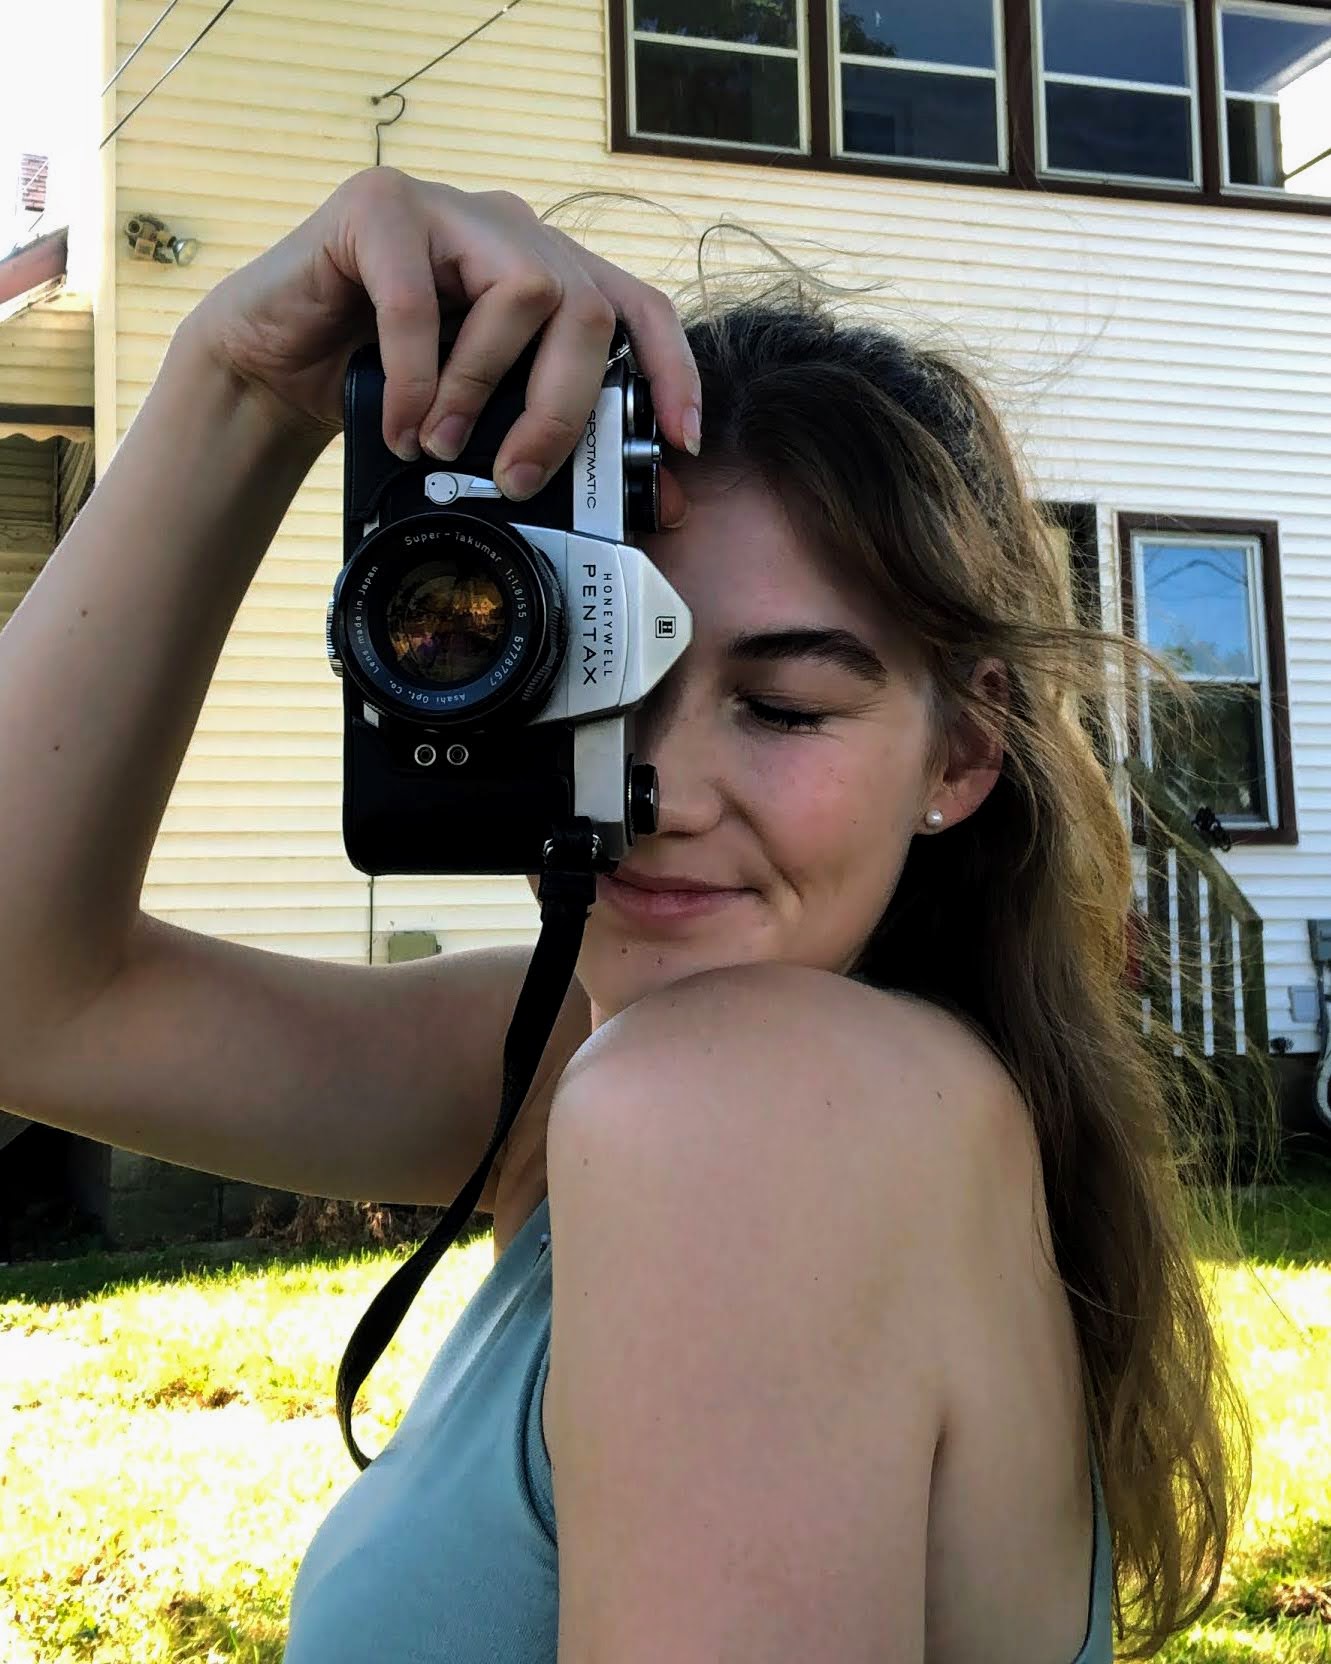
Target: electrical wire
(396, 92)
(161, 18)
(1310, 163)
(215, 18)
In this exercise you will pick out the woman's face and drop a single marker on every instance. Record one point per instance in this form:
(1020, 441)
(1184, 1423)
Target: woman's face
(808, 826)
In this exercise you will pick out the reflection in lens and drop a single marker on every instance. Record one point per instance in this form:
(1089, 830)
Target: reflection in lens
(446, 622)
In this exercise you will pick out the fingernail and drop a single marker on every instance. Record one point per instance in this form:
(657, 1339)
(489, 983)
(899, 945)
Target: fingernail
(447, 439)
(692, 424)
(407, 449)
(678, 518)
(523, 479)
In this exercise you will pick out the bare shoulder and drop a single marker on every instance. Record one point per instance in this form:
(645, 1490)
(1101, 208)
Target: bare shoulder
(774, 1089)
(770, 1174)
(877, 1062)
(747, 1180)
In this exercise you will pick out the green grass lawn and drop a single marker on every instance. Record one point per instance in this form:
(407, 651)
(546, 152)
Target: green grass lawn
(168, 1444)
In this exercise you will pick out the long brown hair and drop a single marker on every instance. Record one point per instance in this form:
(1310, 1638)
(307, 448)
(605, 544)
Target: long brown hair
(891, 458)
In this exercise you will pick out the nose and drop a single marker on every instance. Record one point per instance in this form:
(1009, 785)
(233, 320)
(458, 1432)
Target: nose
(676, 732)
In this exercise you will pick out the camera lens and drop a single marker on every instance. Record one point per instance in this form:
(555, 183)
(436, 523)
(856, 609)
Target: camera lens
(447, 622)
(449, 618)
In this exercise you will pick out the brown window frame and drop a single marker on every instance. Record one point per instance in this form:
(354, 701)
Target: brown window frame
(1019, 90)
(1266, 533)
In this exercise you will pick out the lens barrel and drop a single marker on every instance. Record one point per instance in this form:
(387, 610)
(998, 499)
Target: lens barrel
(446, 618)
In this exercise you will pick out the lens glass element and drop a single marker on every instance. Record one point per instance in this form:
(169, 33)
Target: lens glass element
(447, 622)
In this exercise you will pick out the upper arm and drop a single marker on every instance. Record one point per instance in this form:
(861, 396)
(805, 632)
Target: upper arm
(750, 1272)
(373, 1083)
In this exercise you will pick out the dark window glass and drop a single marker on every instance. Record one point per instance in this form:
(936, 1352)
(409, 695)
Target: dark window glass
(1254, 142)
(960, 32)
(1113, 131)
(698, 92)
(751, 22)
(922, 116)
(1268, 54)
(1213, 754)
(1117, 40)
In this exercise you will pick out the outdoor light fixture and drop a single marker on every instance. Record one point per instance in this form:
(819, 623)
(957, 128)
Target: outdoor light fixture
(149, 239)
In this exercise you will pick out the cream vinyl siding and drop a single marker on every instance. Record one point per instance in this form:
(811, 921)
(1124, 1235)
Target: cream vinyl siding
(46, 353)
(1151, 358)
(27, 516)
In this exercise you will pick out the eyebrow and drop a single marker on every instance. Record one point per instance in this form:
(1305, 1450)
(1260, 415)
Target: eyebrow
(837, 647)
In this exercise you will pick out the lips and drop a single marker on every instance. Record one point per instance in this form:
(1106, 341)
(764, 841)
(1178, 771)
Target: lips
(668, 881)
(674, 905)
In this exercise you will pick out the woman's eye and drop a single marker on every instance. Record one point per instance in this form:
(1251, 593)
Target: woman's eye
(780, 716)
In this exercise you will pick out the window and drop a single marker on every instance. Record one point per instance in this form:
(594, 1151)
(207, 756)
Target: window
(726, 71)
(1275, 78)
(1213, 101)
(1118, 89)
(1205, 595)
(920, 82)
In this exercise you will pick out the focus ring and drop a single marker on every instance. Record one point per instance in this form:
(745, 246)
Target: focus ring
(532, 625)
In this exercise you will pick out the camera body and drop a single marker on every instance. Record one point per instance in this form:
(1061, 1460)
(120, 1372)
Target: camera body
(492, 653)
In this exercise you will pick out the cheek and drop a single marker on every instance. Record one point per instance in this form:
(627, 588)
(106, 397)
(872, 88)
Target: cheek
(819, 807)
(835, 814)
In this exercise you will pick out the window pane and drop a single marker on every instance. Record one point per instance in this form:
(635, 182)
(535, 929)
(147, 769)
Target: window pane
(1220, 762)
(961, 32)
(1280, 140)
(1254, 142)
(1268, 54)
(752, 22)
(698, 92)
(1197, 607)
(919, 115)
(1107, 130)
(1117, 40)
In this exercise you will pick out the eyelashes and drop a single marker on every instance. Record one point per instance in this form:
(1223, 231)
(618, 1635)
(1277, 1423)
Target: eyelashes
(787, 720)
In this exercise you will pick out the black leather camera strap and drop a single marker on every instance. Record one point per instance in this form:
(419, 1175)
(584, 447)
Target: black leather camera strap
(566, 892)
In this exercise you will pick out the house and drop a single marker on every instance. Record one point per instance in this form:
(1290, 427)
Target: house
(1121, 207)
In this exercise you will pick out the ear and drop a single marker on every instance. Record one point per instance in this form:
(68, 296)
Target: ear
(974, 756)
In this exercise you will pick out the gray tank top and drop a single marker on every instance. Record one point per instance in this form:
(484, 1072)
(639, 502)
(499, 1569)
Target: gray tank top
(444, 1548)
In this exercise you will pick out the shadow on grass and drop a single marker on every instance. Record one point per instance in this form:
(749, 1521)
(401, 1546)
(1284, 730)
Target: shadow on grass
(195, 1627)
(1301, 1551)
(1288, 1223)
(247, 1626)
(106, 1271)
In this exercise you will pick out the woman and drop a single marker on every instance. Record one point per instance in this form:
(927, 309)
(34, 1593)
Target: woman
(842, 1306)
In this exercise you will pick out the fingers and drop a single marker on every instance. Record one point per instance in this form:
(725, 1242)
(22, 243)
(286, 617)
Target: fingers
(499, 324)
(408, 239)
(565, 381)
(674, 504)
(388, 249)
(660, 347)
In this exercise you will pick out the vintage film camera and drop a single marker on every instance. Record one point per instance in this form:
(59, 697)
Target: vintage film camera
(492, 653)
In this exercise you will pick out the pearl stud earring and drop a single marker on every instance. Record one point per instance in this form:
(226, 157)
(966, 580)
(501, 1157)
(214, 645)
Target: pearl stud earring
(934, 818)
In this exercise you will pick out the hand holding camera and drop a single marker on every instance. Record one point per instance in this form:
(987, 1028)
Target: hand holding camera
(490, 668)
(378, 257)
